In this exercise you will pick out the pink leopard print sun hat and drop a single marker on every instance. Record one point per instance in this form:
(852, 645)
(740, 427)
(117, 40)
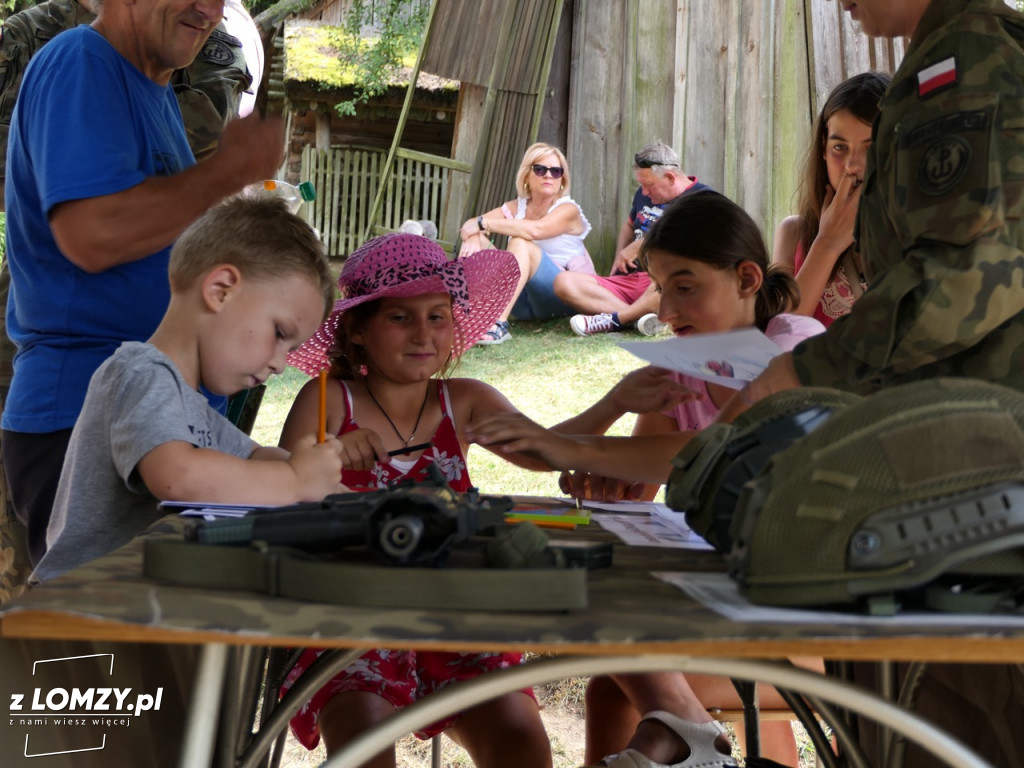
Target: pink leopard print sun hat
(481, 286)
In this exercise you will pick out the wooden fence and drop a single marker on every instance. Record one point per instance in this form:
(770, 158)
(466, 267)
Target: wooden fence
(346, 181)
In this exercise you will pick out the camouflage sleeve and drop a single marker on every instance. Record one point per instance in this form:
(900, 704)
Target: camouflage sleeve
(21, 36)
(210, 89)
(14, 56)
(952, 189)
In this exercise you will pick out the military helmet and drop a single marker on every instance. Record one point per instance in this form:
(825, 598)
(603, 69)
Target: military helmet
(915, 482)
(709, 473)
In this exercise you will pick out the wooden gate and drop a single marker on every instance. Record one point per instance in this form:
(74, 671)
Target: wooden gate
(346, 181)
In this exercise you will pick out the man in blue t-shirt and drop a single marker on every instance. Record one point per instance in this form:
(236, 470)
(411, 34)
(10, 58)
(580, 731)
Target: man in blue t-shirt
(100, 182)
(626, 296)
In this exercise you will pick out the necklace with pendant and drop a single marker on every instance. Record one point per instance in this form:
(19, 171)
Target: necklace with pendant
(406, 441)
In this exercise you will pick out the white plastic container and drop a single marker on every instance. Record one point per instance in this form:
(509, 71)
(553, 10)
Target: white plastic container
(294, 196)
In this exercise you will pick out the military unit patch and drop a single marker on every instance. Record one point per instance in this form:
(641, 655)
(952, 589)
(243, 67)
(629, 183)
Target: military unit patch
(947, 152)
(943, 165)
(975, 120)
(217, 49)
(216, 52)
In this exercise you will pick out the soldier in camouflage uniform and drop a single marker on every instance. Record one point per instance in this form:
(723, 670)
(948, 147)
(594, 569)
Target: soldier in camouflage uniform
(940, 226)
(115, 210)
(208, 93)
(941, 233)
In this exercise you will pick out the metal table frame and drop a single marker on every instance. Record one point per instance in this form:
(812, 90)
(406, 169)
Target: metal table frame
(213, 678)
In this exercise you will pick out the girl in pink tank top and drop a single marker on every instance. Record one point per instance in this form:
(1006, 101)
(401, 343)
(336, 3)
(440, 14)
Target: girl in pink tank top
(707, 257)
(817, 244)
(406, 315)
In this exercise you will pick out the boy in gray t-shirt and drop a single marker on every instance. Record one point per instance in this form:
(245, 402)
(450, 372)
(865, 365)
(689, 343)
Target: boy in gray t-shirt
(249, 283)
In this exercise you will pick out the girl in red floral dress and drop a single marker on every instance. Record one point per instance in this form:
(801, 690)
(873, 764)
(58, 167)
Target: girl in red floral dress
(406, 315)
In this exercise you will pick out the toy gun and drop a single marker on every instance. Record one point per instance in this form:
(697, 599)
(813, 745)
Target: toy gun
(408, 523)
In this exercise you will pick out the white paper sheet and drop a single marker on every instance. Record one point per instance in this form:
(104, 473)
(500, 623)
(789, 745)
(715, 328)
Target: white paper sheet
(721, 594)
(731, 359)
(210, 510)
(625, 507)
(650, 530)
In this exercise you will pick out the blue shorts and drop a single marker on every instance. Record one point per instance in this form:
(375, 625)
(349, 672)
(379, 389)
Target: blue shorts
(538, 300)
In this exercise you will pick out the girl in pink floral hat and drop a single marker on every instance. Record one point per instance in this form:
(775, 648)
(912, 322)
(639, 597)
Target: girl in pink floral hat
(406, 314)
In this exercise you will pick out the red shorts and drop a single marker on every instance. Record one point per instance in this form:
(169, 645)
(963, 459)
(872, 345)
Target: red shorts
(627, 288)
(399, 677)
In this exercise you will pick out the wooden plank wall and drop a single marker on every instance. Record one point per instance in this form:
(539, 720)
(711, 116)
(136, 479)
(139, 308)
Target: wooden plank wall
(733, 85)
(500, 59)
(474, 25)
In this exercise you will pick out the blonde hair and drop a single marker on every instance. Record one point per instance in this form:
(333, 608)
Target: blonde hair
(534, 153)
(260, 237)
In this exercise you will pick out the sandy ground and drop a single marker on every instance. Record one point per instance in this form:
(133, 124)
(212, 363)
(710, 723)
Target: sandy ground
(562, 713)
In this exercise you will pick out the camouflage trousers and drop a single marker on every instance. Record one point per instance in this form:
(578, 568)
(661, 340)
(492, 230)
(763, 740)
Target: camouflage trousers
(14, 562)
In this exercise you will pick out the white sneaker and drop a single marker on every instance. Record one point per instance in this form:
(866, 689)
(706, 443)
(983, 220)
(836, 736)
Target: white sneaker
(588, 325)
(650, 325)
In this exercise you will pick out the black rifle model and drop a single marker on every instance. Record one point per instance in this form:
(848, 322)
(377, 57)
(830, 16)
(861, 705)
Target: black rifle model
(408, 523)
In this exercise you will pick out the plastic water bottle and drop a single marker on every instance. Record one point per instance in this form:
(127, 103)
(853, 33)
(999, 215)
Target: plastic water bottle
(293, 196)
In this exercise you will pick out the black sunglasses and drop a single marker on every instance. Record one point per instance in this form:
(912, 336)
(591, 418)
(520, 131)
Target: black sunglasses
(641, 162)
(540, 170)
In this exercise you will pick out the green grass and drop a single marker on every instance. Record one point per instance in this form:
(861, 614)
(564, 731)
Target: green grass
(547, 372)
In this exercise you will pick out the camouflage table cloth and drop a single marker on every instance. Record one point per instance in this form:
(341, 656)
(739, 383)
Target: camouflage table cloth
(629, 611)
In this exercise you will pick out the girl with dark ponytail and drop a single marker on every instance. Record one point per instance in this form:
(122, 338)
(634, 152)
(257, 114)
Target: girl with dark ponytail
(707, 258)
(708, 261)
(709, 228)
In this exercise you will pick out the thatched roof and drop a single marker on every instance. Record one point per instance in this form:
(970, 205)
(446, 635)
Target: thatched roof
(314, 55)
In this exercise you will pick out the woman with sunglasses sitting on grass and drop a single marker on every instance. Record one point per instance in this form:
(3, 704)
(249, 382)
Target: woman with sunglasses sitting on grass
(545, 229)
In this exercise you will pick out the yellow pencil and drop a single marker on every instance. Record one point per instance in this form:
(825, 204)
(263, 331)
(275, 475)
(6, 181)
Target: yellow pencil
(321, 434)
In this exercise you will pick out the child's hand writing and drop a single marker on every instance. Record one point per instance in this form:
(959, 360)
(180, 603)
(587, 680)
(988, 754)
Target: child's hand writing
(361, 449)
(648, 390)
(317, 467)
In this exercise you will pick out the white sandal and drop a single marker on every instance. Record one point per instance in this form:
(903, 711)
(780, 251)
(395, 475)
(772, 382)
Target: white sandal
(700, 737)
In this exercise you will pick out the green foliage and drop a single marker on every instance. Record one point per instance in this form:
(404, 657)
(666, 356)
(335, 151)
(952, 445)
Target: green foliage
(400, 25)
(9, 7)
(256, 7)
(314, 55)
(319, 54)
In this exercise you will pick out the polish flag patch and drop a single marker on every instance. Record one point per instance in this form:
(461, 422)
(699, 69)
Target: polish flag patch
(936, 76)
